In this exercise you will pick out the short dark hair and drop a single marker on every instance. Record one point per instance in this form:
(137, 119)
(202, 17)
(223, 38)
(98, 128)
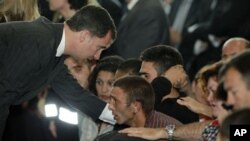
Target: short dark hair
(94, 19)
(137, 89)
(221, 93)
(240, 117)
(108, 64)
(163, 57)
(113, 59)
(241, 63)
(130, 66)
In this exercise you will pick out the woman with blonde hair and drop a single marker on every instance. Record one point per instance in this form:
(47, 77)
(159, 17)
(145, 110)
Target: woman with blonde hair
(19, 10)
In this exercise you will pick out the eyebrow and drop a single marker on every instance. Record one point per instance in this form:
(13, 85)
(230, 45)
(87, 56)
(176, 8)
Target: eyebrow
(98, 79)
(103, 47)
(142, 73)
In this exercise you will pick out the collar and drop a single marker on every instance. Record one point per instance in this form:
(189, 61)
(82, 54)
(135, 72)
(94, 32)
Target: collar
(61, 46)
(131, 4)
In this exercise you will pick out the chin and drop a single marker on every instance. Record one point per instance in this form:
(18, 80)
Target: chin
(118, 122)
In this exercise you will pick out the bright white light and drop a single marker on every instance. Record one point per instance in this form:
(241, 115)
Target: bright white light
(68, 116)
(51, 110)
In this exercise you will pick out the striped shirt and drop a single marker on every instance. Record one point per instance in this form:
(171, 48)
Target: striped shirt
(159, 120)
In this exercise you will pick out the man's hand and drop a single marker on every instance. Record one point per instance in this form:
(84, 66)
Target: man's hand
(146, 133)
(177, 76)
(195, 106)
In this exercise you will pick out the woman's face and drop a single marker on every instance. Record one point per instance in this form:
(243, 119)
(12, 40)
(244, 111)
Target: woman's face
(103, 84)
(213, 101)
(55, 5)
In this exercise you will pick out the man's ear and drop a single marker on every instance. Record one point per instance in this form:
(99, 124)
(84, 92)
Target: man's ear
(137, 106)
(84, 35)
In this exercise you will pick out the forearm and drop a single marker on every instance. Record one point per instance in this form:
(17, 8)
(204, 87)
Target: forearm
(205, 110)
(188, 132)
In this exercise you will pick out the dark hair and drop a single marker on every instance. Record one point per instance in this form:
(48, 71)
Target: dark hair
(240, 117)
(241, 63)
(94, 19)
(109, 64)
(163, 57)
(77, 4)
(221, 93)
(137, 89)
(130, 66)
(111, 59)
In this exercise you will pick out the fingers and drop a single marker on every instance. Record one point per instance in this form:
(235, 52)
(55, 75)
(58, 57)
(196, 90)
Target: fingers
(181, 102)
(127, 130)
(132, 132)
(184, 101)
(177, 75)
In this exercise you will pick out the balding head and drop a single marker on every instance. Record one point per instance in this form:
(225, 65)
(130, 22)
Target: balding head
(234, 46)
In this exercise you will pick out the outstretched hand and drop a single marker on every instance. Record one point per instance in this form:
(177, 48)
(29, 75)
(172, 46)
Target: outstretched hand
(195, 106)
(145, 133)
(190, 103)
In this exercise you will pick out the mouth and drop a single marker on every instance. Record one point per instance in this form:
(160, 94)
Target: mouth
(115, 116)
(91, 61)
(212, 105)
(105, 97)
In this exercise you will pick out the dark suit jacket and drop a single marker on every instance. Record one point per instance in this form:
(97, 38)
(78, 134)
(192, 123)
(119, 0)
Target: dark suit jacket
(144, 26)
(114, 9)
(200, 14)
(23, 124)
(29, 63)
(231, 18)
(191, 15)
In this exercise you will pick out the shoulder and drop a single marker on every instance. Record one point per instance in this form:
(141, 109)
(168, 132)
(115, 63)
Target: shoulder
(164, 119)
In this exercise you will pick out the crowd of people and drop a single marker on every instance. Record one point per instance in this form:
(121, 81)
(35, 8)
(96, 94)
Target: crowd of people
(132, 70)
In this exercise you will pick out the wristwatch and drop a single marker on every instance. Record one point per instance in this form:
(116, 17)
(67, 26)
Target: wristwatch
(170, 131)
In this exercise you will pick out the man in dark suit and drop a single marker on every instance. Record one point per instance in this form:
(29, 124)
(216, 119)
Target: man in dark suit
(114, 7)
(144, 25)
(32, 56)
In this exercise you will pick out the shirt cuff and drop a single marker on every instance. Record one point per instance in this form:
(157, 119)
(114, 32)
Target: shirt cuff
(107, 116)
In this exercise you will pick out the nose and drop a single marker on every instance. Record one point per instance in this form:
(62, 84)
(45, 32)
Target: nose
(230, 99)
(104, 88)
(110, 105)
